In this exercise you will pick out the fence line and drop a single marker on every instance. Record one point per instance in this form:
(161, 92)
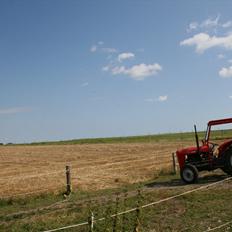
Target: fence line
(37, 209)
(145, 206)
(68, 227)
(219, 227)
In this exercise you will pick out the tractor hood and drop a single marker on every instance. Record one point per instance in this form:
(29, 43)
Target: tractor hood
(188, 150)
(192, 150)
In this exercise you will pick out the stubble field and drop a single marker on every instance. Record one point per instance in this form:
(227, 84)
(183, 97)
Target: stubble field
(38, 169)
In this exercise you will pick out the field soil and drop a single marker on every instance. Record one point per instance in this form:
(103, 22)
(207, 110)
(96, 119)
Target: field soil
(35, 169)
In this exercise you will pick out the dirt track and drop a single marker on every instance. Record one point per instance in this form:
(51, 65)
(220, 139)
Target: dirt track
(26, 169)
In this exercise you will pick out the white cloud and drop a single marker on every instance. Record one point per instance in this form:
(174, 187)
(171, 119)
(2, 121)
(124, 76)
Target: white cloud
(138, 72)
(203, 41)
(227, 24)
(84, 84)
(99, 47)
(125, 56)
(109, 50)
(106, 68)
(230, 96)
(93, 48)
(118, 70)
(221, 56)
(159, 99)
(163, 98)
(192, 26)
(226, 72)
(210, 23)
(15, 110)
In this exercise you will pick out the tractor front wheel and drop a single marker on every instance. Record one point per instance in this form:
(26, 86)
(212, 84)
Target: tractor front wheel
(189, 174)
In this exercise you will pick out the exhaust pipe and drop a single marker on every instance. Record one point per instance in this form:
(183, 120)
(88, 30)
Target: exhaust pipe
(197, 140)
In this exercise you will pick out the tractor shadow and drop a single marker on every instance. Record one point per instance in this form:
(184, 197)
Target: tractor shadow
(177, 182)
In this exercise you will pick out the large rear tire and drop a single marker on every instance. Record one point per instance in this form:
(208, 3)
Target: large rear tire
(228, 162)
(189, 174)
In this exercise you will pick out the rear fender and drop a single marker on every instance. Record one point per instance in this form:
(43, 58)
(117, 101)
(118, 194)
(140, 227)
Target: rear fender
(223, 147)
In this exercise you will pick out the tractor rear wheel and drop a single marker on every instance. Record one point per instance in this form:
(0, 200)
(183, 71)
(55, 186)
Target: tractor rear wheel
(228, 162)
(189, 174)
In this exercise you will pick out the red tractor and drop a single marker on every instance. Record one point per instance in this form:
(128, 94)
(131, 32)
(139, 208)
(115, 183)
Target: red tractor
(205, 157)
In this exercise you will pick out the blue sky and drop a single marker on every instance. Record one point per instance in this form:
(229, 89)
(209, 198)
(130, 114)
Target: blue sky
(75, 69)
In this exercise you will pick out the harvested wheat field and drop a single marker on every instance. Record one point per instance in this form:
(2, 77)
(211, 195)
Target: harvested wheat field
(36, 169)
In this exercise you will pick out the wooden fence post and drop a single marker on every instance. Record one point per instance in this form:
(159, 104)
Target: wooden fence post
(115, 219)
(136, 227)
(124, 219)
(137, 222)
(174, 163)
(68, 180)
(91, 221)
